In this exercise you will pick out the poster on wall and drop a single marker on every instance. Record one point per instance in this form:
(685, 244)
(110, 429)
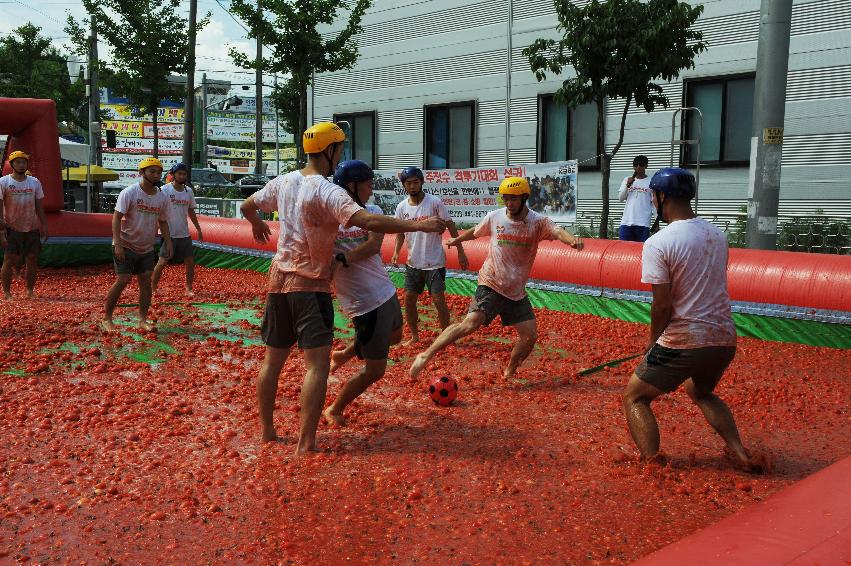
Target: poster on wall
(469, 194)
(125, 113)
(235, 126)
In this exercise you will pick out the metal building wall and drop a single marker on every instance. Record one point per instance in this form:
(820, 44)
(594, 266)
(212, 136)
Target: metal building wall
(418, 53)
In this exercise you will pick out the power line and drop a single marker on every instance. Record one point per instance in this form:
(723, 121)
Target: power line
(38, 11)
(231, 16)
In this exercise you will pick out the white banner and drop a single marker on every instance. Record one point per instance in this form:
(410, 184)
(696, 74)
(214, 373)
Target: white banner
(469, 194)
(241, 127)
(119, 161)
(145, 145)
(169, 131)
(123, 112)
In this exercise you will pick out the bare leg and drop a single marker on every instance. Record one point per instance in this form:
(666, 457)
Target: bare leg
(267, 390)
(450, 335)
(340, 357)
(31, 266)
(439, 300)
(720, 418)
(317, 362)
(527, 336)
(372, 371)
(9, 260)
(189, 262)
(412, 317)
(158, 272)
(639, 417)
(144, 281)
(112, 299)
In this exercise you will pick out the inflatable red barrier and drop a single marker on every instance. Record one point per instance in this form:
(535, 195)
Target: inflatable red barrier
(32, 127)
(807, 523)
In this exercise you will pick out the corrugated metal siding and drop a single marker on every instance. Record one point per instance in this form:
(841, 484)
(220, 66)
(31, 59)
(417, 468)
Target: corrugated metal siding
(814, 84)
(817, 149)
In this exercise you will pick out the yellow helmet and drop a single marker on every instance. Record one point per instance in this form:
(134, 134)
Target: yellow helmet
(319, 136)
(18, 154)
(514, 186)
(150, 162)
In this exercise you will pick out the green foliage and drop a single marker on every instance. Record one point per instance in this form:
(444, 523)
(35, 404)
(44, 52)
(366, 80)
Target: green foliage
(293, 47)
(148, 42)
(219, 192)
(31, 68)
(617, 49)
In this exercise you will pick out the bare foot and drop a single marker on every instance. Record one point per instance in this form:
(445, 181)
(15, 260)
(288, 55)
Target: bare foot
(333, 418)
(268, 436)
(146, 326)
(306, 448)
(411, 341)
(31, 293)
(338, 359)
(509, 372)
(108, 325)
(752, 464)
(419, 364)
(190, 293)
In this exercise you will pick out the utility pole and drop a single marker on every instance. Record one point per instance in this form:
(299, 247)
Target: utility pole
(772, 64)
(204, 120)
(277, 136)
(189, 103)
(258, 100)
(94, 118)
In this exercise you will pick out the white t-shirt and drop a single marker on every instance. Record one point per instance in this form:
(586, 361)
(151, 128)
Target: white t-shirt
(181, 202)
(691, 255)
(142, 215)
(639, 202)
(19, 202)
(310, 211)
(513, 247)
(364, 285)
(425, 249)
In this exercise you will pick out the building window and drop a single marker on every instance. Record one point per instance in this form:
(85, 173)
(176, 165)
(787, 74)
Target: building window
(360, 136)
(449, 135)
(567, 133)
(727, 107)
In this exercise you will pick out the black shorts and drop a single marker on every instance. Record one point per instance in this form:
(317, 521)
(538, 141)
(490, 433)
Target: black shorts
(373, 330)
(306, 317)
(23, 243)
(667, 368)
(492, 304)
(418, 279)
(182, 250)
(134, 263)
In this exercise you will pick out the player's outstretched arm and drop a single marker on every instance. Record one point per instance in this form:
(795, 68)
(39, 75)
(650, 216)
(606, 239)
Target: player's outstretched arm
(465, 236)
(259, 229)
(462, 256)
(390, 225)
(566, 237)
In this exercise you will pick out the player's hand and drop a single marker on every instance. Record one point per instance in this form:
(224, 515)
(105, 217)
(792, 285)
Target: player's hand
(394, 261)
(577, 244)
(433, 224)
(200, 236)
(629, 182)
(118, 252)
(462, 260)
(44, 235)
(169, 249)
(260, 230)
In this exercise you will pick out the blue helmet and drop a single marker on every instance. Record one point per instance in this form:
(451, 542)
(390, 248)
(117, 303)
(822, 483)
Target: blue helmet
(352, 171)
(409, 172)
(179, 167)
(674, 182)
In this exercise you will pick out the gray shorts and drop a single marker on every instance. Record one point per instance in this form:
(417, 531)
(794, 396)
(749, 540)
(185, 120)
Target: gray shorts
(23, 243)
(306, 317)
(134, 263)
(492, 304)
(417, 279)
(373, 330)
(667, 368)
(182, 250)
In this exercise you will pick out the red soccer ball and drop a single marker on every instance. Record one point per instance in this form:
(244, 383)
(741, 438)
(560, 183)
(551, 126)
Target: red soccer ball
(443, 390)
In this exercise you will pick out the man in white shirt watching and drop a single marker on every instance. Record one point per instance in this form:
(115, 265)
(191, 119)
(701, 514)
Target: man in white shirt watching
(635, 190)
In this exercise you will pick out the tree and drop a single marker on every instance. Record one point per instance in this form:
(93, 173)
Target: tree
(31, 68)
(287, 29)
(617, 50)
(148, 43)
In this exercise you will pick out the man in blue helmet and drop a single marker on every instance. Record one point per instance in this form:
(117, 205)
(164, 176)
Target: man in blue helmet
(182, 201)
(365, 293)
(426, 265)
(692, 336)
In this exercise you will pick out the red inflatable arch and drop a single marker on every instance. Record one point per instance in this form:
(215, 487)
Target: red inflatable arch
(32, 127)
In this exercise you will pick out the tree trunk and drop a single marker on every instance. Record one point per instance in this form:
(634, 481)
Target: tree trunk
(156, 133)
(604, 169)
(302, 122)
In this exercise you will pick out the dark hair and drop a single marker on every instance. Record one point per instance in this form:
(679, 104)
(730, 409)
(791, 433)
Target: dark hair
(640, 160)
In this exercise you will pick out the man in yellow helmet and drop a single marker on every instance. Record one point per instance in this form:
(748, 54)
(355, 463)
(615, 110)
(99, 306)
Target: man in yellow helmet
(514, 233)
(298, 306)
(140, 210)
(22, 222)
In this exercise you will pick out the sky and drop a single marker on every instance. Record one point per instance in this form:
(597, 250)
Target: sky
(211, 51)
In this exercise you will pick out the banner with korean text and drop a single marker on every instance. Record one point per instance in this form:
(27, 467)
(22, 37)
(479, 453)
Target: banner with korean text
(469, 194)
